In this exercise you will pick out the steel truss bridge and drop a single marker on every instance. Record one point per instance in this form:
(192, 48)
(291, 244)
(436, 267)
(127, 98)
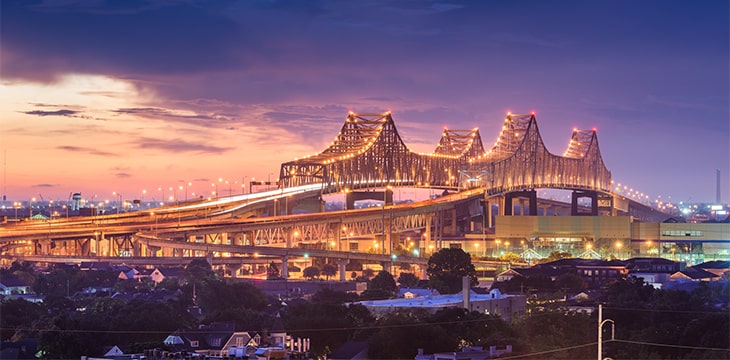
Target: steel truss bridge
(367, 154)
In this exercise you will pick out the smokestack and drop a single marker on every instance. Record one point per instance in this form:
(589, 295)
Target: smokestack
(718, 199)
(466, 292)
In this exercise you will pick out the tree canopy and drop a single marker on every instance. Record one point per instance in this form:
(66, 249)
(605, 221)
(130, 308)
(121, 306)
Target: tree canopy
(446, 269)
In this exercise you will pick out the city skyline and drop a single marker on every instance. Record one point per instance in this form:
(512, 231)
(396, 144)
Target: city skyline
(105, 97)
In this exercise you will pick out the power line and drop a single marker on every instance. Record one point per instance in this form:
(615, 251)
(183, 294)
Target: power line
(550, 351)
(669, 311)
(672, 346)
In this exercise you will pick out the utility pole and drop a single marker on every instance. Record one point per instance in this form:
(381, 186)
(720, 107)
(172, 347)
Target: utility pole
(600, 330)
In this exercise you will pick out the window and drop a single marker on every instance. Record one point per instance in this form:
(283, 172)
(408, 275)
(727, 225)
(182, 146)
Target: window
(194, 343)
(693, 233)
(353, 246)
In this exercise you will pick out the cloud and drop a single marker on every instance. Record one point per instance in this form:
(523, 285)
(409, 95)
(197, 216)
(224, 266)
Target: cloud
(63, 112)
(85, 150)
(187, 117)
(179, 145)
(44, 185)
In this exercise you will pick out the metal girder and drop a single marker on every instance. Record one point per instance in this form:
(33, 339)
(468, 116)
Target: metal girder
(368, 152)
(519, 160)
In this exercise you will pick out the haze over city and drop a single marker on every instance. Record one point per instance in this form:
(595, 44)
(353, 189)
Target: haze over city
(100, 96)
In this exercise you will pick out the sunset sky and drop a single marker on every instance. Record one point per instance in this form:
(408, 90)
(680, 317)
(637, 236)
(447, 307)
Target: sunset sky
(124, 96)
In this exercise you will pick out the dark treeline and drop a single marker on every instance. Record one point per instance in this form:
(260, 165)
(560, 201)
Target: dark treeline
(70, 326)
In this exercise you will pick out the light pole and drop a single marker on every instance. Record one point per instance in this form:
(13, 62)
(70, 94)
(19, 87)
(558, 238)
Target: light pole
(215, 192)
(601, 322)
(30, 209)
(119, 203)
(16, 205)
(162, 203)
(344, 205)
(50, 213)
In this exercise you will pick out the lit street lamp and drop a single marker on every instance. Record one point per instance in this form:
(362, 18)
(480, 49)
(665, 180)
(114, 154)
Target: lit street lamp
(119, 203)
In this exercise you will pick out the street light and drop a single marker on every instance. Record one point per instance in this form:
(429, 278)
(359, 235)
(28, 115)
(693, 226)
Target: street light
(215, 192)
(344, 205)
(119, 203)
(30, 209)
(601, 322)
(16, 205)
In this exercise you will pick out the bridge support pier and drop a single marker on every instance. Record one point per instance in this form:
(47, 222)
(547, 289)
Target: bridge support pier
(530, 195)
(343, 268)
(575, 211)
(285, 267)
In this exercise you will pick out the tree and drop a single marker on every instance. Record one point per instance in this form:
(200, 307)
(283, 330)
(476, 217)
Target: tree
(272, 272)
(383, 281)
(311, 272)
(199, 270)
(446, 269)
(557, 255)
(407, 280)
(329, 270)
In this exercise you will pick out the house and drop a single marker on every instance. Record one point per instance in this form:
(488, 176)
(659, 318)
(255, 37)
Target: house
(113, 351)
(221, 339)
(467, 353)
(694, 273)
(159, 274)
(506, 306)
(205, 340)
(11, 285)
(410, 293)
(720, 268)
(351, 350)
(22, 349)
(94, 265)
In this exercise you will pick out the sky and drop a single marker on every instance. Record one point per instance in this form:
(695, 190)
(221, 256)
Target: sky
(129, 97)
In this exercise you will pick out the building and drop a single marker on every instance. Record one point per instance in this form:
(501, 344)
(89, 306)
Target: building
(508, 307)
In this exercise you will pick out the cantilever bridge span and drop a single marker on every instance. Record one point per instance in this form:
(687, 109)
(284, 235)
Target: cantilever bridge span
(368, 152)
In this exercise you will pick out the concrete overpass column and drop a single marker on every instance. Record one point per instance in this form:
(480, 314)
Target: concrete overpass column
(507, 205)
(343, 268)
(285, 266)
(488, 212)
(533, 203)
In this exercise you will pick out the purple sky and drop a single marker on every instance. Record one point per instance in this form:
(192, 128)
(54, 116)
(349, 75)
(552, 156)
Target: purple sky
(102, 96)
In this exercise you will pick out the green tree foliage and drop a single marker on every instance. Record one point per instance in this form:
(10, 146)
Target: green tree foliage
(311, 272)
(687, 318)
(383, 281)
(557, 255)
(329, 270)
(17, 314)
(570, 283)
(272, 272)
(407, 280)
(554, 330)
(199, 271)
(400, 334)
(218, 296)
(446, 268)
(328, 325)
(72, 334)
(332, 297)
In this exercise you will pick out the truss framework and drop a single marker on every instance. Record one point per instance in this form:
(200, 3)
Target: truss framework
(519, 160)
(368, 152)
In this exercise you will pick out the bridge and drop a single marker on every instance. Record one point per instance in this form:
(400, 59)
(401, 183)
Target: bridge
(366, 160)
